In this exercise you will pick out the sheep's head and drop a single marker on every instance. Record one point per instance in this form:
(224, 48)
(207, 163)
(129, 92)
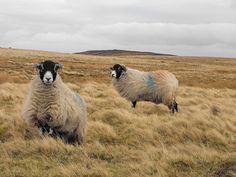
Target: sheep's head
(117, 70)
(47, 71)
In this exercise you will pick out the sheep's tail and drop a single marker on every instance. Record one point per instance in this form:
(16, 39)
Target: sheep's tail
(167, 86)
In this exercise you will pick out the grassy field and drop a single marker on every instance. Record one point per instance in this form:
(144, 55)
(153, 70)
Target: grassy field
(198, 141)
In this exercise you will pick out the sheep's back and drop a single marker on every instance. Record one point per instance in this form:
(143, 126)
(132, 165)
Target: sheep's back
(166, 85)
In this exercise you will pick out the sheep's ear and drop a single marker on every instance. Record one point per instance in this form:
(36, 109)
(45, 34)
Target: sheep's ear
(124, 67)
(58, 66)
(38, 66)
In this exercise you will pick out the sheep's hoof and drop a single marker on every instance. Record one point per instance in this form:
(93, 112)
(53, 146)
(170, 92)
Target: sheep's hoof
(50, 131)
(41, 131)
(174, 107)
(134, 104)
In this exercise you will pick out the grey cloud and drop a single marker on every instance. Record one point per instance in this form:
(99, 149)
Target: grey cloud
(186, 27)
(167, 34)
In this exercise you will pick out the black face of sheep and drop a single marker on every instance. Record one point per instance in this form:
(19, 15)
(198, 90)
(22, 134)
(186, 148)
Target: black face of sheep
(117, 70)
(48, 71)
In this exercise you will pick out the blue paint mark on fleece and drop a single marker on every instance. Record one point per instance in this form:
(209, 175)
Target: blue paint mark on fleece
(80, 99)
(149, 80)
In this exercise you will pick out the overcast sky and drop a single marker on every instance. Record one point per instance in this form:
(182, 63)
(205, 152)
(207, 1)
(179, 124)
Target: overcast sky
(181, 27)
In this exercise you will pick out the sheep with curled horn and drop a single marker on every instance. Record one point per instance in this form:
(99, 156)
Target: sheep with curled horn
(53, 107)
(158, 86)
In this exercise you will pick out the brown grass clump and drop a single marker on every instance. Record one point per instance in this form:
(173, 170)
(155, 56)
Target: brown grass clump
(4, 78)
(147, 141)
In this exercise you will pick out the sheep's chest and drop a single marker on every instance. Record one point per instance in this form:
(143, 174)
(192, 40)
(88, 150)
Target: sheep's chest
(48, 115)
(48, 109)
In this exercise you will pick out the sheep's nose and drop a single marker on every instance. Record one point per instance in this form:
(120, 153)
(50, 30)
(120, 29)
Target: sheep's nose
(48, 78)
(112, 75)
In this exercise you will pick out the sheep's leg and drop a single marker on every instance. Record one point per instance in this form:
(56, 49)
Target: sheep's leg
(41, 131)
(134, 104)
(80, 139)
(71, 137)
(81, 132)
(176, 106)
(173, 107)
(54, 131)
(41, 128)
(76, 136)
(80, 135)
(68, 137)
(44, 128)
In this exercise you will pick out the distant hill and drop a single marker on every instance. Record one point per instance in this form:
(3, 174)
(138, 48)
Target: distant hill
(116, 52)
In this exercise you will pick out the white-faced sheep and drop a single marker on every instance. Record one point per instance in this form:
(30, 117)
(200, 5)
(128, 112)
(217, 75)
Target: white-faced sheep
(157, 86)
(54, 107)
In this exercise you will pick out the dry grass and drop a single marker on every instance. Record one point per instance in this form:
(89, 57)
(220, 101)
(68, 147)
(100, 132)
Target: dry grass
(147, 141)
